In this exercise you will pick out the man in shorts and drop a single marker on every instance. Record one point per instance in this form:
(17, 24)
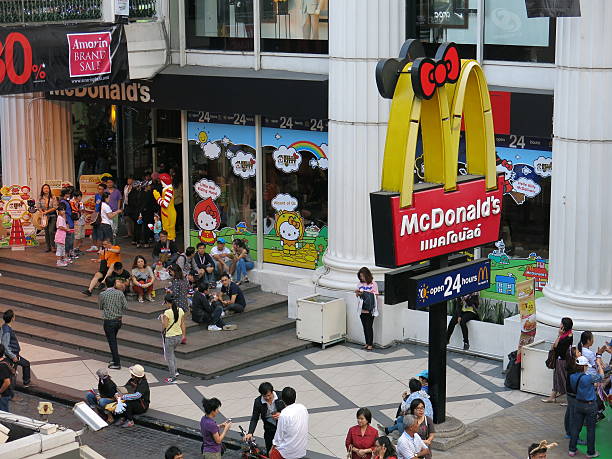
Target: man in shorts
(109, 254)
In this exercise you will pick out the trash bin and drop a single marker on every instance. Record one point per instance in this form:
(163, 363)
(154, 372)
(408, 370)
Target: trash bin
(321, 319)
(536, 378)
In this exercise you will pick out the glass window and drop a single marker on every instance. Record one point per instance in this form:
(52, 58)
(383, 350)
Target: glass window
(295, 26)
(222, 168)
(511, 36)
(437, 21)
(220, 24)
(295, 191)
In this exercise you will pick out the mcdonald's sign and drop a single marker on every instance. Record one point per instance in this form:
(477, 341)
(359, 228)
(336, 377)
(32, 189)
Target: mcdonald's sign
(483, 274)
(430, 100)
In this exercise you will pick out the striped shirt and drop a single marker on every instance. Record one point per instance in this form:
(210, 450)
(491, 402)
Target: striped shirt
(113, 303)
(166, 197)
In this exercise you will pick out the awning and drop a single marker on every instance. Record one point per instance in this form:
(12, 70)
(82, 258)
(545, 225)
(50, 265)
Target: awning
(217, 89)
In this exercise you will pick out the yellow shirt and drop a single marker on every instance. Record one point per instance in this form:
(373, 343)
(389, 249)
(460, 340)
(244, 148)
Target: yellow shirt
(175, 330)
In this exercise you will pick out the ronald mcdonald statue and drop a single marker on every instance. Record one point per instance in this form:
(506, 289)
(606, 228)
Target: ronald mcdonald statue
(166, 202)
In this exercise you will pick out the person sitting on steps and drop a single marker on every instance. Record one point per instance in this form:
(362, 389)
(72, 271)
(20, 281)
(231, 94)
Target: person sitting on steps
(466, 309)
(12, 348)
(165, 250)
(109, 254)
(106, 394)
(236, 302)
(207, 310)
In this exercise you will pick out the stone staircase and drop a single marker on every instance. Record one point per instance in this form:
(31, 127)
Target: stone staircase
(49, 305)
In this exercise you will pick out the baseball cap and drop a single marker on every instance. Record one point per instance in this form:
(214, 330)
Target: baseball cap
(102, 373)
(423, 374)
(582, 360)
(221, 240)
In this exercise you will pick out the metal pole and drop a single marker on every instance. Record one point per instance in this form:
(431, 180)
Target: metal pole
(480, 14)
(259, 182)
(437, 351)
(182, 34)
(257, 33)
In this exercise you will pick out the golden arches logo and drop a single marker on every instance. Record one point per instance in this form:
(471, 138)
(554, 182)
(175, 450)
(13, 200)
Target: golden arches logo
(483, 274)
(427, 95)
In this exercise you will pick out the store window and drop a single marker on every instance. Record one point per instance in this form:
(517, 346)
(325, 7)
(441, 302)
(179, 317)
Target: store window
(295, 26)
(222, 170)
(219, 24)
(511, 36)
(508, 34)
(295, 191)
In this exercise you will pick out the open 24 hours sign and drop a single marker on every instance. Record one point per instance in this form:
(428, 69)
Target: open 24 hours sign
(449, 283)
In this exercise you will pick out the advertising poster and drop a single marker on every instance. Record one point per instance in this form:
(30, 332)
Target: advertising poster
(57, 185)
(295, 19)
(51, 57)
(16, 228)
(448, 13)
(295, 195)
(524, 171)
(525, 297)
(222, 150)
(89, 187)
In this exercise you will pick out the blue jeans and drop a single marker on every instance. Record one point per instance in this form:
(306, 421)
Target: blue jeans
(584, 414)
(399, 425)
(69, 243)
(4, 403)
(92, 401)
(242, 267)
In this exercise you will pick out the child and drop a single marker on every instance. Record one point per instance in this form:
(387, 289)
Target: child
(424, 378)
(79, 224)
(156, 227)
(60, 235)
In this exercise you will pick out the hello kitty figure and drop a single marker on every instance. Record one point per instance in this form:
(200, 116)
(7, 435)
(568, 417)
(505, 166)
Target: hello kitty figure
(290, 228)
(207, 217)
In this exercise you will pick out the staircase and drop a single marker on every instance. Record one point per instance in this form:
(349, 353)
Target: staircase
(49, 306)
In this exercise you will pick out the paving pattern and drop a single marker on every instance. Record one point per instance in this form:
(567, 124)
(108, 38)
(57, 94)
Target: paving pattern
(332, 383)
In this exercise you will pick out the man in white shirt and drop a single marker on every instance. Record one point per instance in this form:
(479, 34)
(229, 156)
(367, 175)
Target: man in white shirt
(222, 256)
(291, 438)
(410, 444)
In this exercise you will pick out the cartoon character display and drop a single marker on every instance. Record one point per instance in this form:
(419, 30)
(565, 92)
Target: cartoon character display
(166, 202)
(289, 226)
(207, 217)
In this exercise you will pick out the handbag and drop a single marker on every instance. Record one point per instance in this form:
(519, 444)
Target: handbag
(368, 301)
(551, 360)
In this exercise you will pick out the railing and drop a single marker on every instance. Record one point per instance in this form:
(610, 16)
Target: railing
(40, 11)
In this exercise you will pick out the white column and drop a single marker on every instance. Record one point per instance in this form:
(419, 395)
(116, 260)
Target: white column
(580, 284)
(36, 140)
(360, 33)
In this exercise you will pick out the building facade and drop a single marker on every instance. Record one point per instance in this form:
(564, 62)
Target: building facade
(269, 115)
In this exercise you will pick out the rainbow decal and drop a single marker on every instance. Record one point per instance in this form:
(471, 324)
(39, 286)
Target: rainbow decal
(320, 158)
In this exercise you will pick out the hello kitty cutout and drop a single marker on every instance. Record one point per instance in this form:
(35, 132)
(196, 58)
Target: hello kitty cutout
(207, 218)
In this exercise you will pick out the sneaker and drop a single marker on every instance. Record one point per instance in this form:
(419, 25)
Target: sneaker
(571, 453)
(112, 366)
(61, 263)
(466, 346)
(214, 328)
(86, 292)
(69, 260)
(93, 248)
(170, 380)
(222, 314)
(230, 327)
(176, 374)
(245, 280)
(128, 424)
(595, 454)
(184, 341)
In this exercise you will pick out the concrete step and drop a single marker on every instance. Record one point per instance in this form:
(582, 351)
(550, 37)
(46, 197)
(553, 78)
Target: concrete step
(199, 340)
(45, 262)
(207, 366)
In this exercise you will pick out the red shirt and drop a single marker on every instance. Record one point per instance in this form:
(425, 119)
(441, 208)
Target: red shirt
(358, 441)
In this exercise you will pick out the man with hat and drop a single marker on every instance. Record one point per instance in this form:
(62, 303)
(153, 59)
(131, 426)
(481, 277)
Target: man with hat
(585, 407)
(106, 392)
(138, 397)
(222, 256)
(424, 378)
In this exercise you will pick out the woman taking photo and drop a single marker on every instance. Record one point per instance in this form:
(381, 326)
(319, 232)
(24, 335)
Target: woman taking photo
(367, 293)
(212, 436)
(106, 218)
(47, 205)
(142, 279)
(361, 438)
(173, 330)
(384, 449)
(426, 426)
(561, 347)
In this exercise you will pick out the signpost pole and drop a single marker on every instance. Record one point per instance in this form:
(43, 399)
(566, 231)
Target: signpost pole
(437, 351)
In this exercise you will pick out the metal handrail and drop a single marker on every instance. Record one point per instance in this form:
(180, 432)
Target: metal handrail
(44, 11)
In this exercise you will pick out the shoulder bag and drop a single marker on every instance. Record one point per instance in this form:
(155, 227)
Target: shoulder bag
(551, 360)
(369, 300)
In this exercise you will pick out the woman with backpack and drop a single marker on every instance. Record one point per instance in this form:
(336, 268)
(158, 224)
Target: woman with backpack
(173, 331)
(367, 292)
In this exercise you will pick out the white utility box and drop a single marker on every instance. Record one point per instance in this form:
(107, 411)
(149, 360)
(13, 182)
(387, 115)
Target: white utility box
(321, 319)
(536, 378)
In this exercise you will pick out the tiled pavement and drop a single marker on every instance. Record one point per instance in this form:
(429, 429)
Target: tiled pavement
(332, 383)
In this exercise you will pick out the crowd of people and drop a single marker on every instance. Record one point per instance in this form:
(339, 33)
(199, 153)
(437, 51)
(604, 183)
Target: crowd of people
(582, 376)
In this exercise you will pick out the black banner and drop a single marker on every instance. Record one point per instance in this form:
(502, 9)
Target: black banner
(53, 57)
(552, 8)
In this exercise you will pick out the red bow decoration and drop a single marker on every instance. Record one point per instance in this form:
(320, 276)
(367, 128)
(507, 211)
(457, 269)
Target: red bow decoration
(428, 74)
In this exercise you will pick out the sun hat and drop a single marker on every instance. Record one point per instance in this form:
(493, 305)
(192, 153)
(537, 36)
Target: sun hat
(582, 360)
(423, 374)
(137, 370)
(102, 373)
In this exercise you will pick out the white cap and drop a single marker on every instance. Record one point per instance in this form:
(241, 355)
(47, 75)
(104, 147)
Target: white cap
(582, 360)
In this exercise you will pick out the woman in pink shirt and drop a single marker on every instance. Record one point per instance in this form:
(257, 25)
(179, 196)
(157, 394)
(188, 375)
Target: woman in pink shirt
(367, 284)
